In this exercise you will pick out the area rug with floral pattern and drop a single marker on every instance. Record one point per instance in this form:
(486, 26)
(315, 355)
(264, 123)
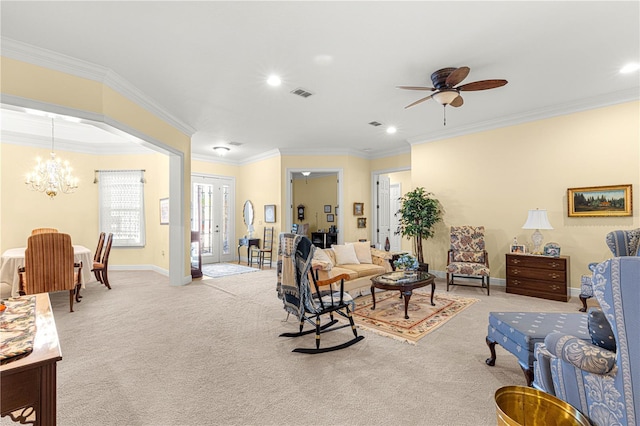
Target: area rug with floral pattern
(388, 317)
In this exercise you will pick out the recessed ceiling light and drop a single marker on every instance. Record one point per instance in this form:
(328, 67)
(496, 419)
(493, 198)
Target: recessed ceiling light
(630, 68)
(306, 173)
(391, 130)
(274, 80)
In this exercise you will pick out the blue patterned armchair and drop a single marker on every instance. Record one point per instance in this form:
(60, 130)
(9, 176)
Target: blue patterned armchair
(621, 243)
(604, 384)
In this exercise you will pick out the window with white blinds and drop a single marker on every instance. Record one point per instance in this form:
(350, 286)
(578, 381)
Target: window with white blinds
(121, 198)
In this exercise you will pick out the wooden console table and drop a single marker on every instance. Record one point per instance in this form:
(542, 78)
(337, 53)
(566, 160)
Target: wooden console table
(248, 242)
(28, 385)
(538, 276)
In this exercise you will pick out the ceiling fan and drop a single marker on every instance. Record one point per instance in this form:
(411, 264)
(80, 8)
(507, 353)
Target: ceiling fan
(446, 92)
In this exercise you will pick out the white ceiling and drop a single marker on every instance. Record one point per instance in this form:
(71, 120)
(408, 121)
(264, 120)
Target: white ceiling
(205, 64)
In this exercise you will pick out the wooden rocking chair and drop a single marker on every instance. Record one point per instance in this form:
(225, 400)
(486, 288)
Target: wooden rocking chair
(295, 253)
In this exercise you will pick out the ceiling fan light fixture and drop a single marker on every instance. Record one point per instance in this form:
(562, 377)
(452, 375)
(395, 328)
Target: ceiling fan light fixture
(445, 97)
(221, 150)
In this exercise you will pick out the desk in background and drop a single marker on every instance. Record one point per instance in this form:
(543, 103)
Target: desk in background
(247, 242)
(14, 258)
(324, 239)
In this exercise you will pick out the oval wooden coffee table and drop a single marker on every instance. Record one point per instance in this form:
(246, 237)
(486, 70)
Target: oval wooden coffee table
(398, 281)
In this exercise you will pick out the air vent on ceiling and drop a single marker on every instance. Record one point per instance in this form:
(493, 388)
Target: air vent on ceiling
(235, 143)
(375, 123)
(301, 92)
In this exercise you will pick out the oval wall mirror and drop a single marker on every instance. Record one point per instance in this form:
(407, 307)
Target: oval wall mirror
(247, 213)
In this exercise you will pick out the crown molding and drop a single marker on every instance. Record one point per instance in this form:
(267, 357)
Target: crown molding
(35, 141)
(53, 60)
(595, 102)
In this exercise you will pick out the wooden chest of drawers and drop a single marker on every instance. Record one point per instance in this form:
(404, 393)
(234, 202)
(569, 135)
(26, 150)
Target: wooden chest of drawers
(538, 276)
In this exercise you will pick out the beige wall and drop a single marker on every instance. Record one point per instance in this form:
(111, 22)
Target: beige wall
(77, 214)
(261, 183)
(493, 178)
(47, 86)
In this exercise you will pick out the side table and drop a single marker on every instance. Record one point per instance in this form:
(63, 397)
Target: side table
(247, 242)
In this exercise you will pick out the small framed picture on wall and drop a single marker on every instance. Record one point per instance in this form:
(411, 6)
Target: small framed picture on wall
(358, 209)
(362, 222)
(164, 211)
(270, 213)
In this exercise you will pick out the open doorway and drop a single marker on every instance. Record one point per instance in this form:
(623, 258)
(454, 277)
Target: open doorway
(313, 203)
(387, 188)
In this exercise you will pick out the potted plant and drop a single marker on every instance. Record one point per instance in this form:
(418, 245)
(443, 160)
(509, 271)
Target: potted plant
(419, 212)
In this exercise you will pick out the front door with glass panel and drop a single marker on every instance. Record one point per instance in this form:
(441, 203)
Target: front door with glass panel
(211, 216)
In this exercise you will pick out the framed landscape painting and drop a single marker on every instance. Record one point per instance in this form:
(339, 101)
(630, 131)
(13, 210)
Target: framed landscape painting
(598, 201)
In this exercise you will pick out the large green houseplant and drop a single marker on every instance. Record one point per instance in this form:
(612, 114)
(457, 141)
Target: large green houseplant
(418, 214)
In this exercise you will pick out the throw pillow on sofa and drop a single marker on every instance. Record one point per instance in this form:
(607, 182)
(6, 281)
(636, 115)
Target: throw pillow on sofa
(363, 251)
(600, 330)
(321, 258)
(345, 254)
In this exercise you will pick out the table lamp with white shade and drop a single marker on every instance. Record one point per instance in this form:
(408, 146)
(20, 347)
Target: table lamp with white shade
(537, 220)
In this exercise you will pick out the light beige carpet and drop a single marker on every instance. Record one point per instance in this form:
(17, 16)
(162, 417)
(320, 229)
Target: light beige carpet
(209, 353)
(388, 317)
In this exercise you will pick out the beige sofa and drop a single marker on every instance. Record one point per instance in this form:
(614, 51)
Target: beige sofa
(368, 262)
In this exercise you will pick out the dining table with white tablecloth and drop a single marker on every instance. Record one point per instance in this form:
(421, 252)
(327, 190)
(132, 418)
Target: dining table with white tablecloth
(13, 258)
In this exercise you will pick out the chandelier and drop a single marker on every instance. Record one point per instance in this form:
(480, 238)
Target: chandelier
(52, 176)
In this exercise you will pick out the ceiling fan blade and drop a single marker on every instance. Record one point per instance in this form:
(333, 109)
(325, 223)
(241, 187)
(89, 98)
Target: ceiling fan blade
(482, 85)
(457, 76)
(419, 101)
(457, 102)
(415, 88)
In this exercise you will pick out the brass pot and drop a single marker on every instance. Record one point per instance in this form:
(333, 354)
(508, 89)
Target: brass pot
(523, 406)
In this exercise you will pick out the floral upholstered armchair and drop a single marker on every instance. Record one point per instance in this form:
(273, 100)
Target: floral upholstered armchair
(602, 379)
(621, 243)
(467, 256)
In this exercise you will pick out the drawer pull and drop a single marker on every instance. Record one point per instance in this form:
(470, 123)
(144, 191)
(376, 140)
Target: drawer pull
(554, 265)
(515, 282)
(515, 271)
(555, 287)
(515, 261)
(554, 276)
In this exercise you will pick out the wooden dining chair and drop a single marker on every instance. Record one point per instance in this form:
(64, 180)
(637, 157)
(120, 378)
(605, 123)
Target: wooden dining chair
(266, 252)
(36, 231)
(100, 269)
(49, 266)
(98, 253)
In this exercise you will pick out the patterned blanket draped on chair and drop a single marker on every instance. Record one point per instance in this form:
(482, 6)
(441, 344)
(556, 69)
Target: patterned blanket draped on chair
(293, 274)
(294, 279)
